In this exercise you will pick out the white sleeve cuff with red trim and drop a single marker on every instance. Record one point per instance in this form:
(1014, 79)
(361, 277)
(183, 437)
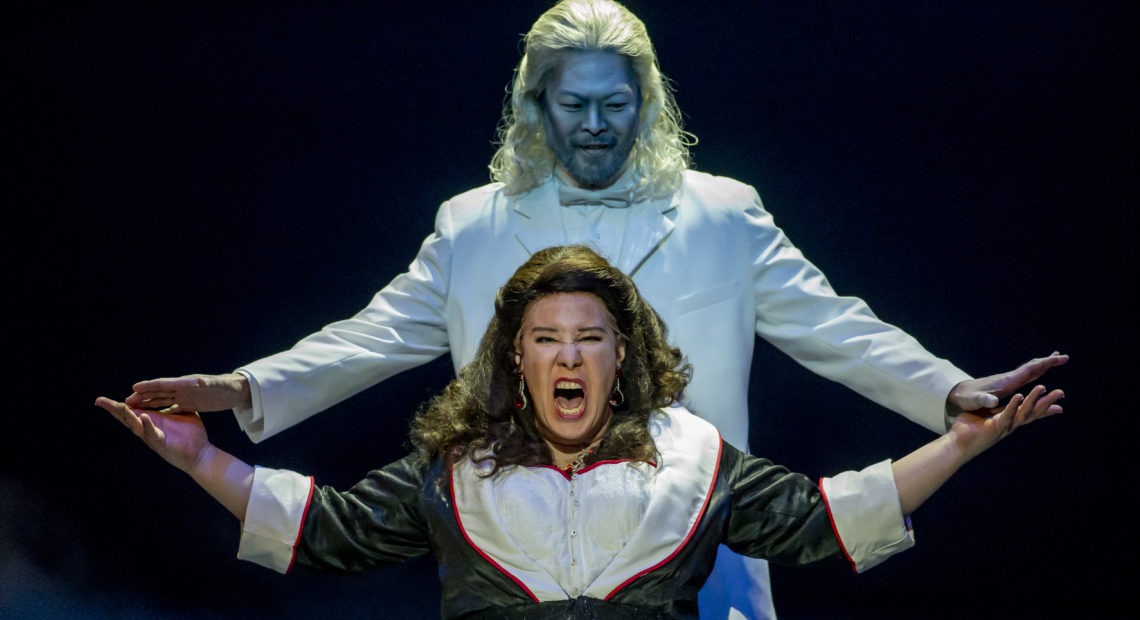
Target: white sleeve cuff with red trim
(273, 519)
(865, 512)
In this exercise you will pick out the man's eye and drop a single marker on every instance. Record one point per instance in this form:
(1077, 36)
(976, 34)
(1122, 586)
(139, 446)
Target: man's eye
(573, 107)
(617, 107)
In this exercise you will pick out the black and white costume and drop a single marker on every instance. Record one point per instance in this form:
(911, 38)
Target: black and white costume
(617, 538)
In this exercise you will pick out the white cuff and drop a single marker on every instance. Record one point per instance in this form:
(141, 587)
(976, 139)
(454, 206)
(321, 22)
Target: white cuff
(274, 517)
(250, 420)
(866, 515)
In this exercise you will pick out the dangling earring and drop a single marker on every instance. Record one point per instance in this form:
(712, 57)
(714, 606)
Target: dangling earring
(520, 402)
(617, 399)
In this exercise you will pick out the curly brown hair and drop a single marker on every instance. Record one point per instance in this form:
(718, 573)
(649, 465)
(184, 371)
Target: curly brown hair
(476, 415)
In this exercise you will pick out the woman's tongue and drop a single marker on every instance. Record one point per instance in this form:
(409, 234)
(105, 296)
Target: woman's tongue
(569, 399)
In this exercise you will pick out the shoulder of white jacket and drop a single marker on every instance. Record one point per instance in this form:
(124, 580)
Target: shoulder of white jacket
(717, 191)
(480, 193)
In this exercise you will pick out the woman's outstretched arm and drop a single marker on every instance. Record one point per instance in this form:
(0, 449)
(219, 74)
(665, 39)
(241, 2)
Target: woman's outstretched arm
(922, 472)
(180, 438)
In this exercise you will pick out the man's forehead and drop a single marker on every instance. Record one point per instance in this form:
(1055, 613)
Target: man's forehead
(594, 72)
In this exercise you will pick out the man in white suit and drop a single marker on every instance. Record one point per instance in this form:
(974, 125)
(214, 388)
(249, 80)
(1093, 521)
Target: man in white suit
(592, 151)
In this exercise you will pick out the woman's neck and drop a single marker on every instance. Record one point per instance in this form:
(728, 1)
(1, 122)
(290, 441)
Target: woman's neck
(564, 454)
(574, 459)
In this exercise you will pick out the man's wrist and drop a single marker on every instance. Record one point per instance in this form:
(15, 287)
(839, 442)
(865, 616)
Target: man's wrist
(240, 384)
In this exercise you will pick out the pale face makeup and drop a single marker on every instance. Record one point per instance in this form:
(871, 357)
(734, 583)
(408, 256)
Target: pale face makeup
(569, 352)
(591, 116)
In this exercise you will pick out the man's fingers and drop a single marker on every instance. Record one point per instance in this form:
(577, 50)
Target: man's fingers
(1034, 369)
(151, 400)
(985, 400)
(975, 400)
(155, 385)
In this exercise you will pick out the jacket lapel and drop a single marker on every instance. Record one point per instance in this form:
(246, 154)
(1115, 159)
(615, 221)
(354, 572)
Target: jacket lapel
(650, 224)
(539, 224)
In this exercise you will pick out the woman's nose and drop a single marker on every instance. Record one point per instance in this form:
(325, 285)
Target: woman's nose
(569, 356)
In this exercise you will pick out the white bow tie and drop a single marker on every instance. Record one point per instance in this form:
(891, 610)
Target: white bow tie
(618, 198)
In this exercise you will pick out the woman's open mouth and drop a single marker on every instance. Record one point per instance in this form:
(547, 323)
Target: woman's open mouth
(569, 399)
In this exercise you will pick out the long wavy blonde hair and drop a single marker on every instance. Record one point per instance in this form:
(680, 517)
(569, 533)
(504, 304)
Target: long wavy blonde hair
(524, 160)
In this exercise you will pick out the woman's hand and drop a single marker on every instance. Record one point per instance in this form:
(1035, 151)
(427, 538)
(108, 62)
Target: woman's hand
(974, 432)
(178, 436)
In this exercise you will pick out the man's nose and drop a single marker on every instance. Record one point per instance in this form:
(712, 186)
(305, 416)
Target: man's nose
(594, 123)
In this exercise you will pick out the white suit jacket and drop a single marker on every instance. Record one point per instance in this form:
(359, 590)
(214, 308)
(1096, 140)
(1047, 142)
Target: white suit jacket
(709, 259)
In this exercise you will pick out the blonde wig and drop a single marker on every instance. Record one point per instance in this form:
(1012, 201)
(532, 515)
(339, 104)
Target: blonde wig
(524, 160)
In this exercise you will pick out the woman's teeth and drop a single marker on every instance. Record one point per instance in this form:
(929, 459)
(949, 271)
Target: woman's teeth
(570, 398)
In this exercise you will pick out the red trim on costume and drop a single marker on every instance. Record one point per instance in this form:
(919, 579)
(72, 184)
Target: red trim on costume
(692, 530)
(463, 530)
(834, 529)
(304, 515)
(565, 474)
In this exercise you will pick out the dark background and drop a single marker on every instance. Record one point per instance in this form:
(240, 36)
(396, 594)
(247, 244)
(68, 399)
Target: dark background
(197, 185)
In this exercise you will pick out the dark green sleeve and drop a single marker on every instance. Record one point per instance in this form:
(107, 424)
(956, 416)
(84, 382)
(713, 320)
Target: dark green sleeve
(379, 520)
(776, 514)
